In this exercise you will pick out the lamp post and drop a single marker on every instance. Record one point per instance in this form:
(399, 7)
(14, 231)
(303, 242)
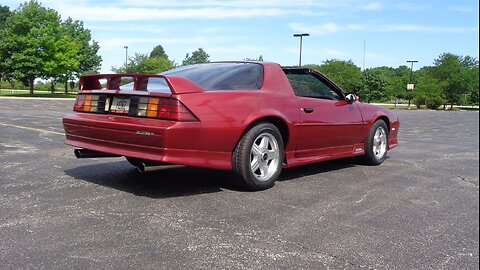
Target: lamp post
(301, 40)
(410, 85)
(126, 56)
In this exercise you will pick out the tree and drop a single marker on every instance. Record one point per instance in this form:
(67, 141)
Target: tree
(37, 44)
(141, 63)
(198, 56)
(88, 58)
(395, 79)
(27, 38)
(4, 14)
(457, 74)
(373, 86)
(344, 73)
(158, 51)
(427, 84)
(259, 59)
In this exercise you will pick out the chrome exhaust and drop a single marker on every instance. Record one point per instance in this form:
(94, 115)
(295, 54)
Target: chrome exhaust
(143, 168)
(85, 153)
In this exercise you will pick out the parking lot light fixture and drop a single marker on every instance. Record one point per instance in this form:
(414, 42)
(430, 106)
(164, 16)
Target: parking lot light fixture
(126, 56)
(410, 85)
(301, 41)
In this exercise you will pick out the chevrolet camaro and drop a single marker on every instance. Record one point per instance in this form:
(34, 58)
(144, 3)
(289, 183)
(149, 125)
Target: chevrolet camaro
(252, 118)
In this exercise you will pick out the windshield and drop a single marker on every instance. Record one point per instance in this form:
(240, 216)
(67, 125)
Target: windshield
(222, 76)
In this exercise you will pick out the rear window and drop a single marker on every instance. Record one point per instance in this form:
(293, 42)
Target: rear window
(153, 84)
(222, 76)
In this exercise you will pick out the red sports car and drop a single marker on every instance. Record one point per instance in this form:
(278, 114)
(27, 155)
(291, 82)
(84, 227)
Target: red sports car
(253, 118)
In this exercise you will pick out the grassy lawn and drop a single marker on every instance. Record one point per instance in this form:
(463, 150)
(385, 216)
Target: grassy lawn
(26, 93)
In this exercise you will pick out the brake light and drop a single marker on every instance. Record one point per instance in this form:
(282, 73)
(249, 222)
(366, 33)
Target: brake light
(151, 107)
(164, 108)
(90, 103)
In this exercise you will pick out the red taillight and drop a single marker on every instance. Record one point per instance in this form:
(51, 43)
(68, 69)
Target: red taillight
(151, 107)
(79, 103)
(164, 108)
(90, 103)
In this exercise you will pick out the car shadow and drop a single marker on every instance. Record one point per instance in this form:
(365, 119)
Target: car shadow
(318, 168)
(183, 181)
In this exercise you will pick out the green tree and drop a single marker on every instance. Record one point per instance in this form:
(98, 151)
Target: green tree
(395, 79)
(373, 86)
(427, 84)
(88, 58)
(456, 73)
(37, 44)
(344, 73)
(27, 38)
(141, 63)
(158, 51)
(259, 59)
(4, 14)
(197, 57)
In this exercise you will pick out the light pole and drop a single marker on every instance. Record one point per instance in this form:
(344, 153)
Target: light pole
(126, 56)
(301, 40)
(410, 85)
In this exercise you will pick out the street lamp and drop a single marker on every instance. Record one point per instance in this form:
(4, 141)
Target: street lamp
(126, 56)
(301, 40)
(410, 85)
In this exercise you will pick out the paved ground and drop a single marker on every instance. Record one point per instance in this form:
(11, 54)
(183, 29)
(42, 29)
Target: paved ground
(419, 210)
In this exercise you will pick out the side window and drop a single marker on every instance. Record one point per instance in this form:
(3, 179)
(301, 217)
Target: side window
(307, 85)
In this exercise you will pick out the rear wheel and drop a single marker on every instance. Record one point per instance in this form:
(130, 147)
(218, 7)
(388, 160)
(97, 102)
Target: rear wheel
(258, 157)
(376, 145)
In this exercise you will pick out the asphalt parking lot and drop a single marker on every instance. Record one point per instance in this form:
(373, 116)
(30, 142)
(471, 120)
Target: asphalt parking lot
(418, 210)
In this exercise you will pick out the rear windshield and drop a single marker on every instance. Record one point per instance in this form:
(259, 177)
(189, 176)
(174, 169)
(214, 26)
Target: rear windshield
(222, 76)
(154, 84)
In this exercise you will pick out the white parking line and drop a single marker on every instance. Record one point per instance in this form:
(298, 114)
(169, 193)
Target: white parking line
(34, 129)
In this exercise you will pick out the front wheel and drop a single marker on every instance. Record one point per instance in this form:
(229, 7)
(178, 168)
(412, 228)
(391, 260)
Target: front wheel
(376, 145)
(258, 158)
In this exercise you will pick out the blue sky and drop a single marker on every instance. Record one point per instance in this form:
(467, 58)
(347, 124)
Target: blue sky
(393, 31)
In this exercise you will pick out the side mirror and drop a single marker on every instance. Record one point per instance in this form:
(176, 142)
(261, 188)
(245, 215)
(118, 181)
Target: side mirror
(351, 98)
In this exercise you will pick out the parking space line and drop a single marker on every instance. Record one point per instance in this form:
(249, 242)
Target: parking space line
(35, 129)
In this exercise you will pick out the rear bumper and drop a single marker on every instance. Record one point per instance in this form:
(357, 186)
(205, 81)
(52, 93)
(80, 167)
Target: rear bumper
(150, 139)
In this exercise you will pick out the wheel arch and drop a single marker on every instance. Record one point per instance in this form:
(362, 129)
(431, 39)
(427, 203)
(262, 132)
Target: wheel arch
(276, 121)
(385, 119)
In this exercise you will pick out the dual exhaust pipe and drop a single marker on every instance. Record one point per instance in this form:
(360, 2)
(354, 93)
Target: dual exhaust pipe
(142, 167)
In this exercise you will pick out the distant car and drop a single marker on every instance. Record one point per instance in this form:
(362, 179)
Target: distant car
(253, 118)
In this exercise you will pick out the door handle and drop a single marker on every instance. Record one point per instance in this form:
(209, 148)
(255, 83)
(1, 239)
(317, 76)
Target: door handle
(308, 110)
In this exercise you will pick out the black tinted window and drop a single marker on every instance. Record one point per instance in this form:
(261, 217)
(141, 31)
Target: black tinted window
(222, 76)
(306, 85)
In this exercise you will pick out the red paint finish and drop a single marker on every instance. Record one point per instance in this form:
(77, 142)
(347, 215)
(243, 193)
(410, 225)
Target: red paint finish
(334, 129)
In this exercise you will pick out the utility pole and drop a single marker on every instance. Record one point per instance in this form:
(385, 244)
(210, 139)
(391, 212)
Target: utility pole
(301, 40)
(364, 50)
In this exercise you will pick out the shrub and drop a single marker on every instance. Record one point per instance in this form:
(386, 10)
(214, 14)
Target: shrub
(434, 102)
(420, 101)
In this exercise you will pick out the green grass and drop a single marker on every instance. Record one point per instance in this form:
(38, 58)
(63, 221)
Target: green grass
(26, 93)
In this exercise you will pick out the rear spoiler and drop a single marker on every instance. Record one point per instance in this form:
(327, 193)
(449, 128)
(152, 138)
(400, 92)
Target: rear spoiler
(178, 85)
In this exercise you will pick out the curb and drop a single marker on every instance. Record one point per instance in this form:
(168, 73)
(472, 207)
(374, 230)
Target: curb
(38, 98)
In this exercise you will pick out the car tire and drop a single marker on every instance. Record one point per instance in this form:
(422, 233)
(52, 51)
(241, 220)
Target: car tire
(258, 158)
(376, 144)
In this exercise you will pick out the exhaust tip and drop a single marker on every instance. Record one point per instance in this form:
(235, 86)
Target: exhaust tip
(144, 168)
(141, 167)
(77, 153)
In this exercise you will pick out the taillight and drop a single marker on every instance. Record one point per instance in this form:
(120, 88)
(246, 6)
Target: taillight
(151, 107)
(90, 103)
(163, 108)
